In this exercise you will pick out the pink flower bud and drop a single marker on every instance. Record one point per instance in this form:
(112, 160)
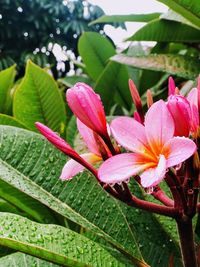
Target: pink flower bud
(171, 86)
(87, 107)
(136, 99)
(179, 108)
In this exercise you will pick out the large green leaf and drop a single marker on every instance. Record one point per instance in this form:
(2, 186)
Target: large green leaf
(32, 165)
(114, 80)
(19, 259)
(187, 8)
(7, 77)
(95, 51)
(182, 66)
(125, 18)
(171, 15)
(161, 31)
(34, 209)
(81, 200)
(69, 81)
(52, 242)
(8, 120)
(37, 98)
(110, 78)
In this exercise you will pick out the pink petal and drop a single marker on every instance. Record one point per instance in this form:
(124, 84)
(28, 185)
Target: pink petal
(179, 108)
(72, 167)
(88, 137)
(171, 86)
(87, 106)
(193, 98)
(179, 149)
(55, 139)
(129, 133)
(153, 176)
(159, 125)
(120, 168)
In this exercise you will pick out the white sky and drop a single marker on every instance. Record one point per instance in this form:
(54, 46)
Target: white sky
(127, 7)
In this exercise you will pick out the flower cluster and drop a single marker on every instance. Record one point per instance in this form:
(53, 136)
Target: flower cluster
(159, 145)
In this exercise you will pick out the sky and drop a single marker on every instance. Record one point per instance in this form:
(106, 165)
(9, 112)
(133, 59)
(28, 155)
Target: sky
(119, 7)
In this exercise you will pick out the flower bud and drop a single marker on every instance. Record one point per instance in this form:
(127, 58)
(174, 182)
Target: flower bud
(87, 107)
(179, 108)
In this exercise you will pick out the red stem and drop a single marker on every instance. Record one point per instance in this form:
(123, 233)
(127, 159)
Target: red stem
(152, 207)
(187, 241)
(162, 197)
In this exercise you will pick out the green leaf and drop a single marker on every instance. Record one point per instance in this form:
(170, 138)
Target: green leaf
(161, 31)
(125, 18)
(71, 131)
(187, 8)
(37, 98)
(95, 51)
(8, 120)
(32, 165)
(20, 259)
(71, 80)
(7, 77)
(52, 242)
(114, 79)
(171, 15)
(182, 66)
(34, 209)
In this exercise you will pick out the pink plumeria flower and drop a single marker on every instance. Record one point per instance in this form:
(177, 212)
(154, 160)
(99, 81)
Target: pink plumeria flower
(87, 107)
(78, 163)
(72, 167)
(154, 145)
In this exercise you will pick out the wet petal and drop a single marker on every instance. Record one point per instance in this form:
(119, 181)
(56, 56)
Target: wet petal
(179, 108)
(72, 167)
(87, 106)
(129, 133)
(153, 176)
(88, 137)
(120, 168)
(179, 149)
(159, 125)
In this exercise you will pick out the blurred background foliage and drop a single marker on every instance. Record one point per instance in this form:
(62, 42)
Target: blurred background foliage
(29, 29)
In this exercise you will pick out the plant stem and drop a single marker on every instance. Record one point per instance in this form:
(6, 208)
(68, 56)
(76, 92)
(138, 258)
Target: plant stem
(187, 241)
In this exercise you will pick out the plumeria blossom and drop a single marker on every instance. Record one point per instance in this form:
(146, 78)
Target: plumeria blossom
(154, 147)
(184, 110)
(72, 167)
(87, 106)
(79, 162)
(180, 110)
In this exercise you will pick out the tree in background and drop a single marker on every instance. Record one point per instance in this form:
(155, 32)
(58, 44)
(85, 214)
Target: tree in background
(28, 27)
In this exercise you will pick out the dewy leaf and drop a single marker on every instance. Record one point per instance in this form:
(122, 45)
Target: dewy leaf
(20, 259)
(7, 77)
(161, 31)
(95, 51)
(37, 98)
(187, 8)
(182, 66)
(33, 208)
(32, 165)
(125, 18)
(52, 242)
